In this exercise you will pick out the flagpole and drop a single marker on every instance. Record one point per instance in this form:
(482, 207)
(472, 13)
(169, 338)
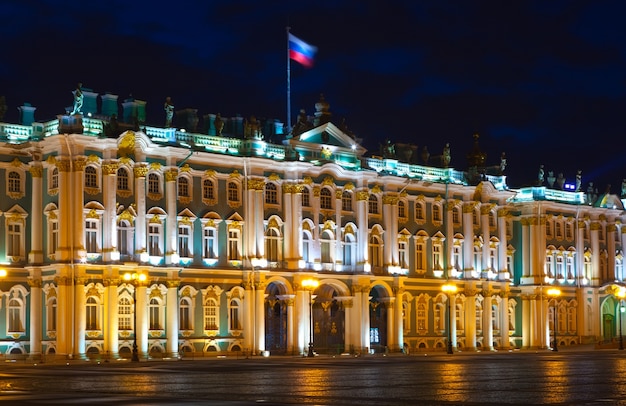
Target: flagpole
(288, 86)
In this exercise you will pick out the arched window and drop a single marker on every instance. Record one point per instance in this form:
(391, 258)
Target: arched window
(373, 204)
(349, 248)
(183, 186)
(271, 193)
(272, 246)
(326, 246)
(208, 189)
(184, 314)
(346, 201)
(154, 184)
(234, 319)
(306, 197)
(124, 314)
(14, 182)
(91, 177)
(91, 314)
(401, 209)
(51, 314)
(306, 239)
(122, 179)
(54, 178)
(436, 212)
(154, 308)
(419, 210)
(210, 314)
(233, 192)
(124, 238)
(376, 251)
(16, 323)
(326, 199)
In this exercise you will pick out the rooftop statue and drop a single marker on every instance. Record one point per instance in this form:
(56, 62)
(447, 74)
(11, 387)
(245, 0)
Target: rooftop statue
(169, 111)
(78, 99)
(446, 155)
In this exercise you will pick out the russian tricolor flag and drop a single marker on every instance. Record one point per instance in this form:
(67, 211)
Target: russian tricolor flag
(300, 51)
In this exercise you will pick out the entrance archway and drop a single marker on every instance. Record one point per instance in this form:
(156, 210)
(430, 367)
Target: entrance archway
(328, 321)
(275, 320)
(378, 319)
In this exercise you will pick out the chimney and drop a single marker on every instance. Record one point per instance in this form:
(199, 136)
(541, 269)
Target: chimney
(134, 110)
(27, 114)
(109, 105)
(90, 102)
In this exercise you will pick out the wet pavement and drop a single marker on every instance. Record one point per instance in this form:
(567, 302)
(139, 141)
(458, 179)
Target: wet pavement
(567, 377)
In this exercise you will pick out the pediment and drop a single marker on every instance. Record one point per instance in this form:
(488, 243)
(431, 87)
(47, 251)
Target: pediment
(327, 135)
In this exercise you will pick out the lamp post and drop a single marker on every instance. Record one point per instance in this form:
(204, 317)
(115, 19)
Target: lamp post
(136, 278)
(621, 293)
(554, 293)
(449, 289)
(310, 285)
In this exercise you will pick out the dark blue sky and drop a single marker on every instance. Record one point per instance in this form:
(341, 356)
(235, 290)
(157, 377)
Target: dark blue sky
(543, 81)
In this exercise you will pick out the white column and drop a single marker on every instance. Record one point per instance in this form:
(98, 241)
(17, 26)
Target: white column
(141, 329)
(525, 248)
(487, 320)
(468, 233)
(502, 247)
(66, 211)
(362, 256)
(35, 316)
(610, 242)
(260, 316)
(347, 303)
(172, 318)
(296, 229)
(64, 314)
(594, 230)
(504, 319)
(399, 328)
(392, 342)
(111, 338)
(526, 325)
(390, 249)
(109, 234)
(248, 316)
(470, 318)
(365, 317)
(302, 320)
(140, 172)
(35, 256)
(288, 250)
(485, 209)
(291, 339)
(453, 311)
(171, 223)
(80, 317)
(257, 220)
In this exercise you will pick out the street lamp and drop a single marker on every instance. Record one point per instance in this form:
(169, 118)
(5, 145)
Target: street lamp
(136, 278)
(449, 289)
(310, 285)
(554, 293)
(621, 293)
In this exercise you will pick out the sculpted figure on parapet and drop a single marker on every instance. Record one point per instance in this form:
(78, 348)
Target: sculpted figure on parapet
(78, 99)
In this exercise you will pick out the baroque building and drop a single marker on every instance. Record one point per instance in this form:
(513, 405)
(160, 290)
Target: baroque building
(239, 238)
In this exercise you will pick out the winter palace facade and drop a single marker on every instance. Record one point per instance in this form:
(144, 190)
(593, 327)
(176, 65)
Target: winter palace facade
(236, 238)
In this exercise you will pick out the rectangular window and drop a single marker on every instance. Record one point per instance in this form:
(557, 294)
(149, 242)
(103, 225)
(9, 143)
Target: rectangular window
(233, 245)
(91, 236)
(124, 314)
(14, 237)
(183, 241)
(209, 243)
(154, 235)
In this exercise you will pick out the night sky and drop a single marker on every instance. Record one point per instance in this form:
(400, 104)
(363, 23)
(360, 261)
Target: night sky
(543, 81)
